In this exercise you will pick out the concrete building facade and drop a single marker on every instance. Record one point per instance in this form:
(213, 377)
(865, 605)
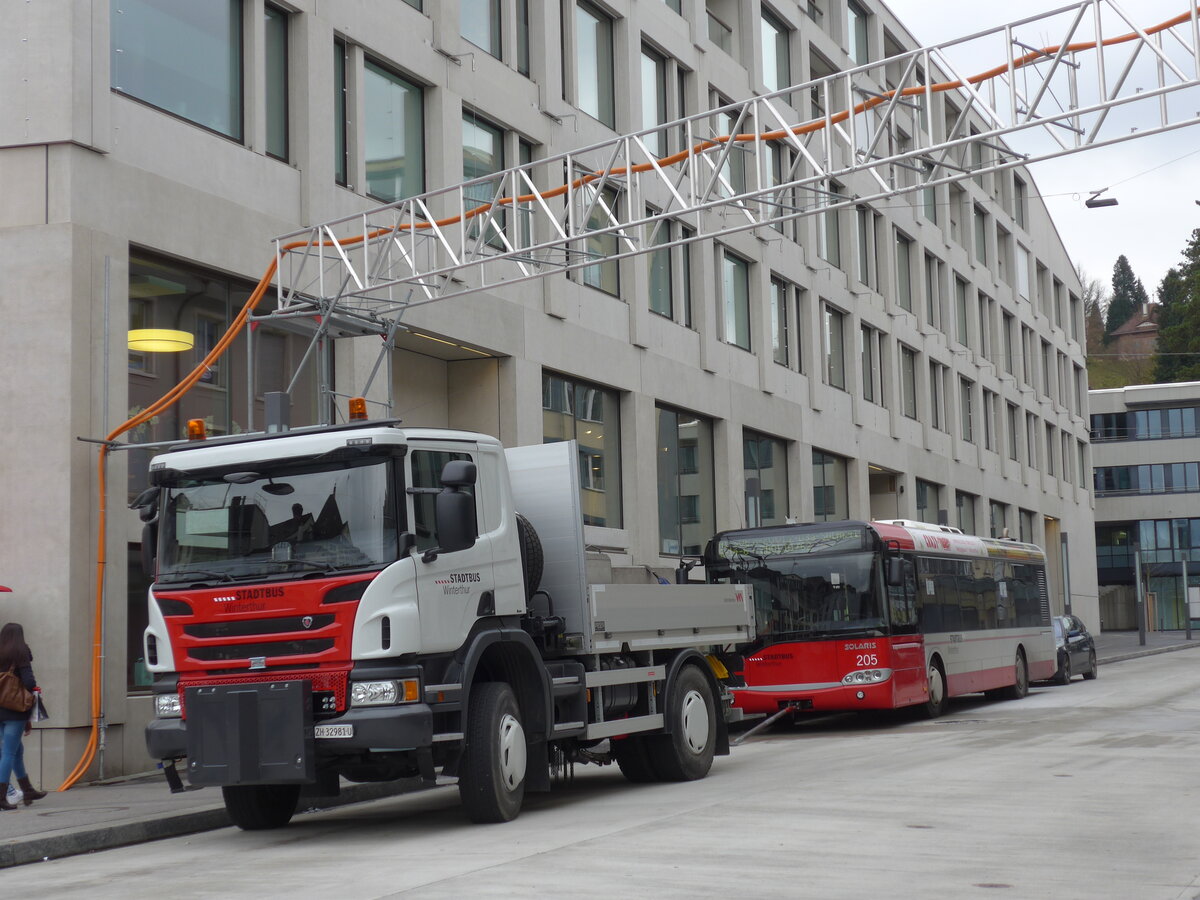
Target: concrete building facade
(1146, 454)
(921, 358)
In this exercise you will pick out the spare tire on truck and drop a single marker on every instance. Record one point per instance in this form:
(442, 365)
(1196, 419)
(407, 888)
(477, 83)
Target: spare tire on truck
(532, 559)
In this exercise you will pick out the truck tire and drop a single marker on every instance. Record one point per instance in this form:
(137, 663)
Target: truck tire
(686, 754)
(491, 782)
(258, 807)
(633, 759)
(532, 559)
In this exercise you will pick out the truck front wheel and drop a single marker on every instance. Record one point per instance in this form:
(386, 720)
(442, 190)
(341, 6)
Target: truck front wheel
(687, 752)
(492, 780)
(257, 807)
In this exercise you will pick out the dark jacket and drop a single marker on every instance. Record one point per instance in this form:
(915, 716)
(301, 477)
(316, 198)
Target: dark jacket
(25, 673)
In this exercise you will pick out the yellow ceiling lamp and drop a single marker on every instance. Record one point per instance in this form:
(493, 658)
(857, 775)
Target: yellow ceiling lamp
(160, 340)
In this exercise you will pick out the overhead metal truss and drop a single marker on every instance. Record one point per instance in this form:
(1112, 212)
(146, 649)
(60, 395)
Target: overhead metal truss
(858, 136)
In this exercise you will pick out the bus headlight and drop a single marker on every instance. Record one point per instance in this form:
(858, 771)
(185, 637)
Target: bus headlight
(166, 706)
(384, 693)
(867, 676)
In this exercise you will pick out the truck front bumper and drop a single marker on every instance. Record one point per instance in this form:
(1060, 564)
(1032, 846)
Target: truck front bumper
(235, 739)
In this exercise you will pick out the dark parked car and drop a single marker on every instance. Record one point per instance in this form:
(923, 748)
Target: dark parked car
(1076, 649)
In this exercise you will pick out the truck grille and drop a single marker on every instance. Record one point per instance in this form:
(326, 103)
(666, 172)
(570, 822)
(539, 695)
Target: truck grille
(329, 687)
(248, 627)
(273, 650)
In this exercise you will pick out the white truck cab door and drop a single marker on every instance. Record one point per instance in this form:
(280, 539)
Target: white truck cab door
(453, 588)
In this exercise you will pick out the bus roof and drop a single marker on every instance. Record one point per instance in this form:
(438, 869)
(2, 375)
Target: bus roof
(850, 536)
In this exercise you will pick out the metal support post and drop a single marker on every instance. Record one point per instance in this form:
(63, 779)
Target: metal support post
(1141, 597)
(1187, 603)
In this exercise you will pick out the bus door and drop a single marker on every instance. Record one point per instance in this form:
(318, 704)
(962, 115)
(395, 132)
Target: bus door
(908, 648)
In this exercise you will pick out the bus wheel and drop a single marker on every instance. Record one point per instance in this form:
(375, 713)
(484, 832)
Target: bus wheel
(687, 752)
(258, 807)
(491, 784)
(936, 704)
(1020, 687)
(633, 759)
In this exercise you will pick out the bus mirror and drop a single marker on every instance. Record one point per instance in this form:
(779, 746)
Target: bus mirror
(895, 571)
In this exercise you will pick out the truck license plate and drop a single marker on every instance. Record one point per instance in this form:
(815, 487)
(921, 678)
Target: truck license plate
(334, 731)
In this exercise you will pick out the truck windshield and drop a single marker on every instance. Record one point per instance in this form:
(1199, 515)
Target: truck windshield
(256, 524)
(816, 596)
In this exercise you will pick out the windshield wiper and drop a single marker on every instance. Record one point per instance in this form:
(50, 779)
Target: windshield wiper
(185, 574)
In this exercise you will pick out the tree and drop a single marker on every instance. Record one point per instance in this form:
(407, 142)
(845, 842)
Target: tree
(1095, 299)
(1179, 318)
(1128, 296)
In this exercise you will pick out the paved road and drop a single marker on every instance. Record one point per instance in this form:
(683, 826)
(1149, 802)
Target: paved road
(1086, 791)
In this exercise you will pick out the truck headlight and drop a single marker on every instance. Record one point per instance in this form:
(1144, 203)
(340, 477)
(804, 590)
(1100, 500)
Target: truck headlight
(867, 676)
(166, 706)
(384, 693)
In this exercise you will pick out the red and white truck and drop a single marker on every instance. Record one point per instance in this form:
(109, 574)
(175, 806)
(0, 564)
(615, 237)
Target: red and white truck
(375, 602)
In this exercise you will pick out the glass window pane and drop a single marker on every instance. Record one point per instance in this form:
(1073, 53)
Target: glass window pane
(737, 301)
(395, 125)
(686, 495)
(654, 100)
(589, 415)
(594, 87)
(660, 274)
(479, 23)
(339, 112)
(183, 57)
(276, 36)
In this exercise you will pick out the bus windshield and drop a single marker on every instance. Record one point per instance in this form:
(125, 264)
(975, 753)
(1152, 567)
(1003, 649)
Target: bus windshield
(797, 597)
(250, 525)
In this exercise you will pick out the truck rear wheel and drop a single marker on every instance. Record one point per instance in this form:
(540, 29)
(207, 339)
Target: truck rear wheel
(492, 780)
(686, 754)
(258, 807)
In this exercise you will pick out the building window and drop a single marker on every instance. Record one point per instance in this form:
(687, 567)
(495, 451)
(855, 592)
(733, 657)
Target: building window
(735, 284)
(1009, 325)
(764, 463)
(574, 410)
(960, 312)
(479, 23)
(595, 86)
(776, 59)
(1027, 526)
(1020, 201)
(933, 290)
(829, 229)
(871, 357)
(779, 322)
(989, 419)
(856, 34)
(987, 309)
(276, 59)
(1031, 431)
(660, 270)
(863, 224)
(929, 496)
(686, 492)
(394, 109)
(1014, 436)
(654, 100)
(908, 382)
(340, 152)
(168, 294)
(937, 396)
(981, 256)
(181, 57)
(1049, 449)
(966, 409)
(605, 276)
(834, 334)
(904, 271)
(831, 497)
(965, 504)
(415, 4)
(483, 155)
(928, 194)
(998, 518)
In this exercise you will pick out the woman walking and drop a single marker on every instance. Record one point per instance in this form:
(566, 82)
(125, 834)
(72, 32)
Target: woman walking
(15, 655)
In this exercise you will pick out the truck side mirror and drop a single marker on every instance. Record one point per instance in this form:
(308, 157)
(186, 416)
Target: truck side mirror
(149, 548)
(454, 508)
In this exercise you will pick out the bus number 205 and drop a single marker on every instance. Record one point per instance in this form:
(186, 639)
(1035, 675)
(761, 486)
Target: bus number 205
(867, 659)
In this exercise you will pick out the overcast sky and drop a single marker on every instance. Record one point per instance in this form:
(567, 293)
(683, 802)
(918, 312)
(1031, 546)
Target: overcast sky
(1156, 179)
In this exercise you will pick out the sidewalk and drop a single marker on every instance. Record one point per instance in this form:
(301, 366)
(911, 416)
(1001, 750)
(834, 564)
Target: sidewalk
(133, 810)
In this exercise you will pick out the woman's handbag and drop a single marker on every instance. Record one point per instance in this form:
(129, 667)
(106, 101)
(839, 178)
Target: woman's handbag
(14, 696)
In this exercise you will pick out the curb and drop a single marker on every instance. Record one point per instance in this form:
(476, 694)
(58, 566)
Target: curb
(1153, 651)
(152, 828)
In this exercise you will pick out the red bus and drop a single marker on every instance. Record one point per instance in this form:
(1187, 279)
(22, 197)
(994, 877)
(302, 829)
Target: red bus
(881, 615)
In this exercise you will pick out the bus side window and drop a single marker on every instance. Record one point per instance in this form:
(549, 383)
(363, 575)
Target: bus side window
(902, 600)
